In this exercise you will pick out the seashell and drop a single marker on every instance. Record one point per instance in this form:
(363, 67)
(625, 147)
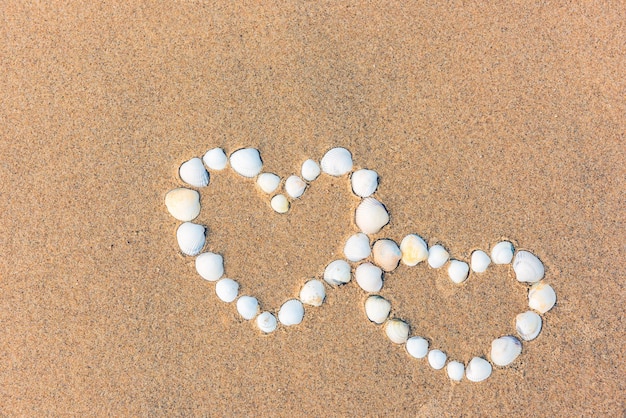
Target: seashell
(291, 313)
(337, 273)
(414, 250)
(437, 359)
(417, 347)
(193, 172)
(397, 330)
(437, 256)
(248, 307)
(386, 254)
(294, 186)
(541, 297)
(478, 369)
(310, 170)
(266, 322)
(190, 238)
(337, 162)
(458, 271)
(280, 203)
(215, 159)
(246, 162)
(183, 204)
(364, 182)
(268, 182)
(528, 268)
(227, 290)
(377, 309)
(369, 277)
(504, 350)
(371, 216)
(455, 370)
(480, 261)
(313, 293)
(210, 266)
(502, 253)
(357, 247)
(528, 325)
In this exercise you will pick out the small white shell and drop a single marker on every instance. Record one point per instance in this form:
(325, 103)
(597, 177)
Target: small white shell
(357, 247)
(478, 369)
(437, 359)
(310, 170)
(183, 204)
(541, 297)
(313, 293)
(215, 159)
(528, 268)
(369, 277)
(337, 162)
(227, 290)
(386, 254)
(193, 172)
(291, 313)
(248, 307)
(371, 216)
(502, 253)
(268, 182)
(246, 162)
(337, 273)
(437, 256)
(295, 186)
(414, 250)
(397, 330)
(458, 271)
(504, 350)
(280, 203)
(210, 266)
(455, 370)
(480, 261)
(377, 309)
(266, 322)
(190, 238)
(528, 325)
(417, 347)
(364, 182)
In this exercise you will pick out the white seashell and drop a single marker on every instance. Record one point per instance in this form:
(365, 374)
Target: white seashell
(215, 159)
(193, 172)
(190, 238)
(502, 253)
(337, 162)
(337, 273)
(480, 261)
(377, 309)
(357, 247)
(417, 347)
(371, 216)
(478, 369)
(291, 313)
(541, 297)
(268, 182)
(386, 254)
(210, 266)
(397, 331)
(437, 359)
(310, 170)
(528, 325)
(455, 370)
(183, 204)
(437, 256)
(528, 268)
(414, 250)
(246, 162)
(458, 271)
(294, 186)
(369, 277)
(504, 350)
(227, 290)
(280, 203)
(266, 322)
(313, 293)
(248, 307)
(364, 182)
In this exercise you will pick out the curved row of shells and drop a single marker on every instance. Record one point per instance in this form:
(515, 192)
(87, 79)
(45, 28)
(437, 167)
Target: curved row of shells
(367, 262)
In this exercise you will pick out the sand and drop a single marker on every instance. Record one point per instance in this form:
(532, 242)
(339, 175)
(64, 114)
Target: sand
(484, 123)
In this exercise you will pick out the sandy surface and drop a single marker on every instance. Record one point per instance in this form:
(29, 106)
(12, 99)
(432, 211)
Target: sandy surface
(484, 124)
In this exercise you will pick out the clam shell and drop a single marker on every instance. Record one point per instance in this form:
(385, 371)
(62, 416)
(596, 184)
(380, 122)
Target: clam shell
(337, 162)
(502, 253)
(248, 307)
(266, 322)
(369, 277)
(528, 268)
(279, 203)
(455, 370)
(504, 350)
(190, 238)
(295, 186)
(227, 290)
(310, 170)
(371, 216)
(337, 273)
(291, 313)
(193, 172)
(437, 359)
(478, 369)
(377, 309)
(541, 297)
(313, 293)
(246, 162)
(215, 159)
(210, 266)
(268, 182)
(183, 204)
(357, 247)
(437, 256)
(458, 271)
(397, 330)
(417, 347)
(386, 254)
(364, 182)
(528, 325)
(480, 261)
(414, 250)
